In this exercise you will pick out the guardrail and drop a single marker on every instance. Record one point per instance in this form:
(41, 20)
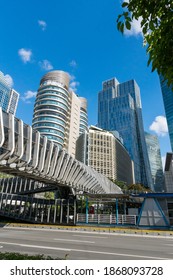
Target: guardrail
(111, 219)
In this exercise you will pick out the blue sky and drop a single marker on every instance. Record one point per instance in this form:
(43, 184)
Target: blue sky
(79, 37)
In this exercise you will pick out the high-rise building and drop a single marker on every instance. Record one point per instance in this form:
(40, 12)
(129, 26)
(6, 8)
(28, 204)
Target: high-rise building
(83, 116)
(154, 155)
(105, 153)
(119, 108)
(167, 93)
(8, 96)
(57, 110)
(168, 172)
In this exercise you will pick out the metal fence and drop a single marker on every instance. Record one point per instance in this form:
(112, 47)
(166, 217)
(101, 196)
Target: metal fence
(110, 219)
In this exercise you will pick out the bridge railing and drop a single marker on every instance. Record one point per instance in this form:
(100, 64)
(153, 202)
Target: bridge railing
(111, 219)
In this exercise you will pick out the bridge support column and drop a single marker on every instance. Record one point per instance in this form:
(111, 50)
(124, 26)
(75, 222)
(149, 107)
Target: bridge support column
(61, 211)
(11, 198)
(74, 215)
(30, 213)
(117, 211)
(68, 211)
(87, 210)
(16, 185)
(54, 215)
(42, 212)
(1, 197)
(48, 213)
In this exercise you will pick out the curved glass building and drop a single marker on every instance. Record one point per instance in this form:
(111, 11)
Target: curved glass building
(51, 108)
(59, 113)
(83, 116)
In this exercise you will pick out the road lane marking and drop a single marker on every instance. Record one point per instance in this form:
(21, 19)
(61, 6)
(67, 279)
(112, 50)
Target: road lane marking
(72, 240)
(79, 235)
(36, 246)
(84, 251)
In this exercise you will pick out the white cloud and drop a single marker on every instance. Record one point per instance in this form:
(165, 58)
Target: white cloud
(73, 63)
(159, 126)
(73, 83)
(25, 55)
(135, 28)
(9, 80)
(42, 24)
(28, 95)
(46, 65)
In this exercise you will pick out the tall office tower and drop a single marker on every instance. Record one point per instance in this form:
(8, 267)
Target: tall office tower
(119, 108)
(168, 172)
(8, 96)
(105, 153)
(57, 110)
(167, 93)
(154, 155)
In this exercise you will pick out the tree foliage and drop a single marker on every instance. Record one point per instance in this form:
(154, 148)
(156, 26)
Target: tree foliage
(19, 256)
(157, 27)
(130, 188)
(49, 195)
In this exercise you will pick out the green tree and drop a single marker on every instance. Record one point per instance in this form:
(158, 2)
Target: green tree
(156, 17)
(138, 187)
(49, 195)
(120, 184)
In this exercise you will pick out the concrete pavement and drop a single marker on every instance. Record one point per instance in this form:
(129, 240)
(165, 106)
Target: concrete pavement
(90, 228)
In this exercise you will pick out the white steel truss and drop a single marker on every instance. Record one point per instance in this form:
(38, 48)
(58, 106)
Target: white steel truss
(24, 152)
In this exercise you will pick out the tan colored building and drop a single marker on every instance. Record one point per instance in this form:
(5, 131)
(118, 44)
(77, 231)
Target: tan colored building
(106, 153)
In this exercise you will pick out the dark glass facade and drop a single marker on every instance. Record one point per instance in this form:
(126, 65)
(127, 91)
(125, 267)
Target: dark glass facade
(154, 155)
(119, 108)
(167, 93)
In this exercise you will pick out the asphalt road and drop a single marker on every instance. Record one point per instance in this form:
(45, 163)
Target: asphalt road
(85, 245)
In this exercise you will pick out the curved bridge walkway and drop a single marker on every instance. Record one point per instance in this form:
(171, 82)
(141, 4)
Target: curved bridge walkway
(38, 164)
(24, 152)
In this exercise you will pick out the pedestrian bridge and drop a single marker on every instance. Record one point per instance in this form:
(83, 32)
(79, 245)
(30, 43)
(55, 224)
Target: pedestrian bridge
(25, 153)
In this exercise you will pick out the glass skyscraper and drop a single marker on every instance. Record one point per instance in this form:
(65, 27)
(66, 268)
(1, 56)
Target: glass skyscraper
(167, 93)
(119, 108)
(8, 96)
(154, 155)
(57, 110)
